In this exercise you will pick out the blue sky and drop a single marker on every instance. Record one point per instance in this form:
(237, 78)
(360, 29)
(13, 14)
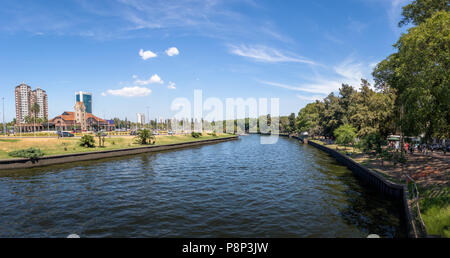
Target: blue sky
(136, 53)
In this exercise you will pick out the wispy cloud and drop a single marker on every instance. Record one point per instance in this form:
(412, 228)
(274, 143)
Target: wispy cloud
(348, 72)
(394, 13)
(309, 98)
(266, 54)
(171, 86)
(129, 92)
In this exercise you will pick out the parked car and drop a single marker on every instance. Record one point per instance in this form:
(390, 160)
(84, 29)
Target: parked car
(65, 134)
(436, 146)
(170, 133)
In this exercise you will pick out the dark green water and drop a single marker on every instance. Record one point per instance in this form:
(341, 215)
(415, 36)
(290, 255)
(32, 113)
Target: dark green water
(232, 189)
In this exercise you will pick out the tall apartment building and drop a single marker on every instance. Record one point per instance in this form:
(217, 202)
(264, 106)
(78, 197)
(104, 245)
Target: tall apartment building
(39, 96)
(140, 118)
(86, 98)
(25, 99)
(23, 102)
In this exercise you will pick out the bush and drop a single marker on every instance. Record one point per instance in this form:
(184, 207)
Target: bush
(87, 141)
(145, 136)
(31, 153)
(345, 134)
(196, 135)
(373, 141)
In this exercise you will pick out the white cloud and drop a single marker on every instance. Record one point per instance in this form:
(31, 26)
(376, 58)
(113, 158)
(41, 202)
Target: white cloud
(348, 72)
(319, 86)
(267, 54)
(171, 86)
(173, 51)
(130, 92)
(310, 98)
(154, 79)
(147, 54)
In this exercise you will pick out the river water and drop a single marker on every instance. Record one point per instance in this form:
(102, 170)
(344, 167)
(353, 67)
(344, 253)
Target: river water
(232, 189)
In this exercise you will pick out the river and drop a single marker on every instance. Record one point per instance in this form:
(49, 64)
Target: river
(233, 189)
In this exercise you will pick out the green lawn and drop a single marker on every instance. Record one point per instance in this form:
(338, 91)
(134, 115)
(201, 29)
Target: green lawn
(55, 146)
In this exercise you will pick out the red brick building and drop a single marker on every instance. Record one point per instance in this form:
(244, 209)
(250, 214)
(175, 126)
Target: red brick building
(67, 121)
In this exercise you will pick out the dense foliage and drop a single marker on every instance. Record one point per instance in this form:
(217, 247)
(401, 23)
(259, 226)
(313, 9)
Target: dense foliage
(31, 153)
(196, 135)
(366, 110)
(144, 137)
(87, 141)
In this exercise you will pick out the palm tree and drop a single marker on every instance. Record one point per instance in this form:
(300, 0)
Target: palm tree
(143, 136)
(35, 110)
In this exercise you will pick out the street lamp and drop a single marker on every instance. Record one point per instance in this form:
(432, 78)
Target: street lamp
(4, 127)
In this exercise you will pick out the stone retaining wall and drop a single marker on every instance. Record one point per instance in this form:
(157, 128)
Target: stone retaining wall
(393, 191)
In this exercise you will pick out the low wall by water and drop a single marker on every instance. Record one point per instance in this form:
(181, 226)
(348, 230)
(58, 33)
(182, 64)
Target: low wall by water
(393, 191)
(85, 156)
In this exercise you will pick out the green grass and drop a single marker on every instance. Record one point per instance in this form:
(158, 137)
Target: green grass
(436, 211)
(55, 146)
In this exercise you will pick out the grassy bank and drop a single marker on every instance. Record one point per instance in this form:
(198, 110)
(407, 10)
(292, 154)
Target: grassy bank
(55, 146)
(431, 179)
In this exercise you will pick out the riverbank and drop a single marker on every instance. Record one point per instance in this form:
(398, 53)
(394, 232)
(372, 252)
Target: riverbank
(114, 147)
(431, 175)
(61, 146)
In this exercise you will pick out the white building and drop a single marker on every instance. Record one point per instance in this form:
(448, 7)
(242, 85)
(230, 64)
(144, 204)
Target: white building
(140, 118)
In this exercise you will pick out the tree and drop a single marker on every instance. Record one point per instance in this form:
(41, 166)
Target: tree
(308, 118)
(35, 108)
(419, 73)
(331, 115)
(345, 134)
(87, 141)
(145, 136)
(420, 10)
(291, 119)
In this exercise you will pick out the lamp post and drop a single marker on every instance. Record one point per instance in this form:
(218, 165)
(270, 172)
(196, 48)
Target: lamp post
(4, 127)
(148, 117)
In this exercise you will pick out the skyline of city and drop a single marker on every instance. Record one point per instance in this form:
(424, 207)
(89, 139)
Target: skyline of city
(228, 49)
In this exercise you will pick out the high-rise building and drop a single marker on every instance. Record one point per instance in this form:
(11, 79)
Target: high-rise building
(39, 96)
(25, 99)
(86, 98)
(140, 118)
(23, 102)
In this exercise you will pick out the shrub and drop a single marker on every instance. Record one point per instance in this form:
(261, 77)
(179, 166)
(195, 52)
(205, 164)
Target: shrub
(345, 134)
(145, 136)
(196, 135)
(87, 141)
(31, 153)
(373, 141)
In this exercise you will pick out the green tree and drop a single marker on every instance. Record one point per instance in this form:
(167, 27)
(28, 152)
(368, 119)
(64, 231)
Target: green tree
(145, 136)
(291, 119)
(420, 10)
(309, 117)
(87, 141)
(331, 115)
(419, 73)
(345, 134)
(35, 108)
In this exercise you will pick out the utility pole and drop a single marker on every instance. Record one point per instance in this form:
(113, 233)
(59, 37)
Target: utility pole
(4, 127)
(148, 116)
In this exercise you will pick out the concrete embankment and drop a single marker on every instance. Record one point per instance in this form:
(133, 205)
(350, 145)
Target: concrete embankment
(85, 156)
(391, 190)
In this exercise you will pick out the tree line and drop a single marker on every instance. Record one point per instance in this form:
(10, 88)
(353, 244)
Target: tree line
(411, 95)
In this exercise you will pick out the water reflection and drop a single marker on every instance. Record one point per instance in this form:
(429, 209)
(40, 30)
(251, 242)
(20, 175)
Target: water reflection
(231, 189)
